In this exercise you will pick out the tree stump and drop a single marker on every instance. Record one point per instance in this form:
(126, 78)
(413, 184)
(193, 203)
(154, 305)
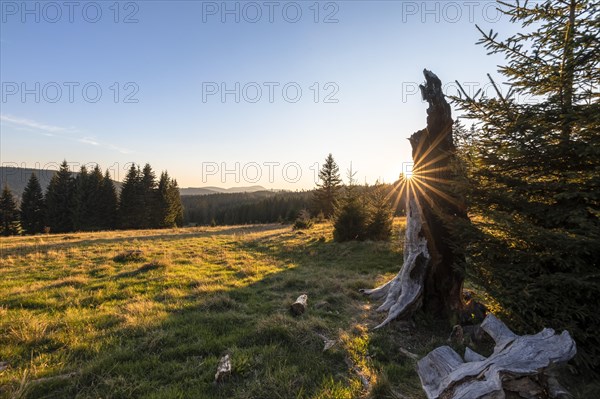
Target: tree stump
(300, 305)
(445, 375)
(429, 276)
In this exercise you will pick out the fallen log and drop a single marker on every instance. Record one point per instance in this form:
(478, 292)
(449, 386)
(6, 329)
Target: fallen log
(444, 374)
(300, 305)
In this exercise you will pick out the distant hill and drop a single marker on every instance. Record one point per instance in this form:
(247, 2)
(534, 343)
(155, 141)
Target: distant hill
(17, 178)
(218, 190)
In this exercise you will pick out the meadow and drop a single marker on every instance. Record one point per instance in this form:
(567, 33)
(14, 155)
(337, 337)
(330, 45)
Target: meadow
(148, 314)
(82, 317)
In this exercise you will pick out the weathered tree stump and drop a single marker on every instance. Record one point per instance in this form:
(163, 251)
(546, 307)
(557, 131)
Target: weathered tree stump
(445, 375)
(429, 276)
(300, 305)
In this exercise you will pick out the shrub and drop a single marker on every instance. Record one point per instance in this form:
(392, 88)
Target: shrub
(350, 222)
(303, 221)
(379, 226)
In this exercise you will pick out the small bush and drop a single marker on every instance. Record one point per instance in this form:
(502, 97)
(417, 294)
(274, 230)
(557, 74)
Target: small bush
(303, 221)
(350, 222)
(364, 215)
(379, 226)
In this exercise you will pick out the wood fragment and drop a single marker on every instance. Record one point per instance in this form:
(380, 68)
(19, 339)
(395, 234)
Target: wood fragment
(300, 305)
(223, 369)
(445, 375)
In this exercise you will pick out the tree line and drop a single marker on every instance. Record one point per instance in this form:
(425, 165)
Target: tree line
(245, 208)
(89, 202)
(361, 211)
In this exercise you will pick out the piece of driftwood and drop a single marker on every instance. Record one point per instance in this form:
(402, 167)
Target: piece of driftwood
(428, 277)
(223, 369)
(300, 305)
(444, 374)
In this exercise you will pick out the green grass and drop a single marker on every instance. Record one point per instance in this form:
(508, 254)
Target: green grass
(148, 314)
(81, 317)
(155, 324)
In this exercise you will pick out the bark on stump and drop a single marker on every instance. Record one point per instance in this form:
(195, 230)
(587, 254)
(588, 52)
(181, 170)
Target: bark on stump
(429, 276)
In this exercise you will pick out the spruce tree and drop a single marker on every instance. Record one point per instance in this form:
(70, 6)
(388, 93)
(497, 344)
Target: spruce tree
(32, 207)
(82, 197)
(327, 193)
(350, 217)
(380, 214)
(131, 200)
(96, 219)
(59, 201)
(169, 207)
(107, 203)
(176, 205)
(149, 198)
(534, 171)
(9, 215)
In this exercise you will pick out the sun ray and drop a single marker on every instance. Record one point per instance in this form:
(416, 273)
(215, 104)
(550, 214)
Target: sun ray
(403, 188)
(436, 179)
(433, 145)
(393, 190)
(421, 167)
(440, 193)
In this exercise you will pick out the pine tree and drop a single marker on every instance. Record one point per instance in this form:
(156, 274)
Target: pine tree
(131, 200)
(32, 207)
(95, 182)
(327, 193)
(107, 203)
(176, 205)
(534, 171)
(82, 197)
(9, 215)
(170, 209)
(59, 201)
(149, 198)
(380, 215)
(350, 217)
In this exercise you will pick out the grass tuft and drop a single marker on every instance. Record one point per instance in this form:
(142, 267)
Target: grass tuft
(135, 255)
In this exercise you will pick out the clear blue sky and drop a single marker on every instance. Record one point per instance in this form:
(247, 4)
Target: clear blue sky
(369, 61)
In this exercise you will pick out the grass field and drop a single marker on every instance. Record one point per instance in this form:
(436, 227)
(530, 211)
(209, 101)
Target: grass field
(80, 320)
(77, 321)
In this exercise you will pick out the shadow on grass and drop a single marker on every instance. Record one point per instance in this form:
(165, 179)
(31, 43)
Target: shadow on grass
(148, 267)
(69, 241)
(174, 354)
